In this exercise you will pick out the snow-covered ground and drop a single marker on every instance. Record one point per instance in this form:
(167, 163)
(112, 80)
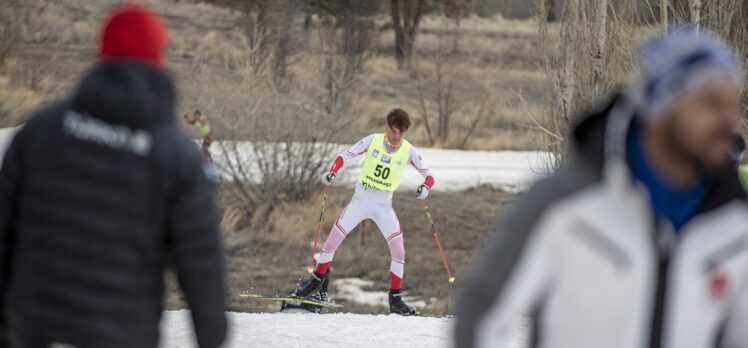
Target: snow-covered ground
(458, 170)
(312, 330)
(303, 329)
(326, 330)
(354, 290)
(453, 169)
(6, 134)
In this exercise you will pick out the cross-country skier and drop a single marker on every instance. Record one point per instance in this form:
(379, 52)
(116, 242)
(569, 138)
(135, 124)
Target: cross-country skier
(737, 157)
(201, 124)
(387, 155)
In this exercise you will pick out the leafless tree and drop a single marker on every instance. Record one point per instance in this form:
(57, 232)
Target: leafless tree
(442, 94)
(593, 52)
(438, 103)
(477, 119)
(694, 9)
(345, 35)
(287, 128)
(288, 141)
(270, 23)
(406, 16)
(601, 24)
(600, 39)
(568, 79)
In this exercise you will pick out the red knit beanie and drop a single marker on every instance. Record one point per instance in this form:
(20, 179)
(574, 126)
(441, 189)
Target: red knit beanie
(134, 32)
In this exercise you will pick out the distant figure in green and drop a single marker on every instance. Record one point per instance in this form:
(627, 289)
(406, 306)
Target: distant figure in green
(201, 124)
(737, 157)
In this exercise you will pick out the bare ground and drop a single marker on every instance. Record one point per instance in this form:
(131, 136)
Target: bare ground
(271, 256)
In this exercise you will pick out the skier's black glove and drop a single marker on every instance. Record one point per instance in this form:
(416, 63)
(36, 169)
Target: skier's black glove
(328, 178)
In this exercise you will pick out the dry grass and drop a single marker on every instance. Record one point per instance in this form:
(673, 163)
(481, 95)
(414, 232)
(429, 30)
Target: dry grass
(208, 45)
(15, 101)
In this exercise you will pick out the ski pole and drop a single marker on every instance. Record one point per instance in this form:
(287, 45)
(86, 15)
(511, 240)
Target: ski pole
(310, 269)
(451, 279)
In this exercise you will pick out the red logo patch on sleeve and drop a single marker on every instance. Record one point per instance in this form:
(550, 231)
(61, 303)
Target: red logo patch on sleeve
(718, 285)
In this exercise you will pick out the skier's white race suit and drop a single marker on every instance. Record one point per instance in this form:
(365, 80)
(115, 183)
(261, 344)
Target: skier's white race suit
(368, 203)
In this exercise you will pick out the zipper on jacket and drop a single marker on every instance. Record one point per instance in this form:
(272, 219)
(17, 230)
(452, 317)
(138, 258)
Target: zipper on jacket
(664, 240)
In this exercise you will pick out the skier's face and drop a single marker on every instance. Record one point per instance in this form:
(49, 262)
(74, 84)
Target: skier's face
(703, 122)
(395, 136)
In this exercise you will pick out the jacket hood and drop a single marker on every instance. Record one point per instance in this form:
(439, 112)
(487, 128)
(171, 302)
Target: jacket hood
(588, 135)
(126, 93)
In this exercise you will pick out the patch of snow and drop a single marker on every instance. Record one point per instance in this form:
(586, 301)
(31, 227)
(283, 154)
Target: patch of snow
(455, 170)
(315, 330)
(6, 135)
(353, 290)
(329, 331)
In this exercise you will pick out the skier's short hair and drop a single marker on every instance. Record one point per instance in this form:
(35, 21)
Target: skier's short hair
(738, 148)
(739, 142)
(399, 119)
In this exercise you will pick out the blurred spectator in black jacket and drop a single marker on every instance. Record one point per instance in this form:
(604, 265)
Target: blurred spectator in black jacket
(99, 194)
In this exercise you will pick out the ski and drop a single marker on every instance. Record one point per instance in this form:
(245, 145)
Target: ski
(424, 315)
(309, 301)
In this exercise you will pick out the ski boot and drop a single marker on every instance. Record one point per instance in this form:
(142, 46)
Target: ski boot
(397, 306)
(314, 288)
(321, 295)
(309, 286)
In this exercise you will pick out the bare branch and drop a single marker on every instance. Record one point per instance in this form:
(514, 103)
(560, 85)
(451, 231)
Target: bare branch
(424, 110)
(474, 124)
(535, 124)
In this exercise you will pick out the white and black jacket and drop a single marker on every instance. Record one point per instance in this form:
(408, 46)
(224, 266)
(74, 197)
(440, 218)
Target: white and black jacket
(582, 255)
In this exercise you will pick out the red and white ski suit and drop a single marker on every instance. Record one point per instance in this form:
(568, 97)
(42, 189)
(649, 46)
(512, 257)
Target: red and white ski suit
(371, 204)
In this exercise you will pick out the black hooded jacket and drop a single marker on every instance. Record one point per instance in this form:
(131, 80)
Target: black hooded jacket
(98, 195)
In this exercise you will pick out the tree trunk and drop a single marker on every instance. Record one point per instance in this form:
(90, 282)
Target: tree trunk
(307, 21)
(598, 59)
(406, 15)
(694, 9)
(570, 40)
(282, 50)
(551, 10)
